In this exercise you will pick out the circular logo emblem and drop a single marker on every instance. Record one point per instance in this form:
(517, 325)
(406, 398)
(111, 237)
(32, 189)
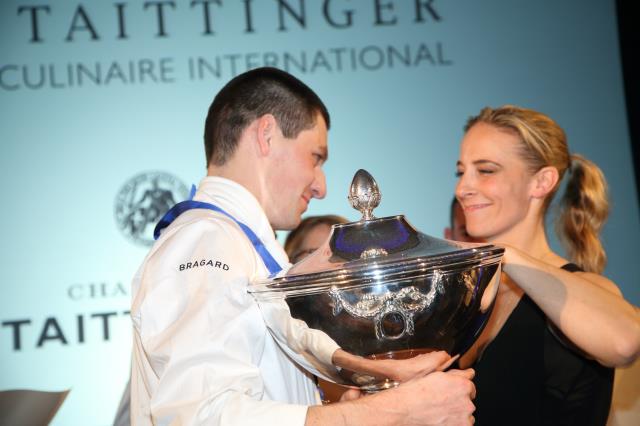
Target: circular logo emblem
(143, 200)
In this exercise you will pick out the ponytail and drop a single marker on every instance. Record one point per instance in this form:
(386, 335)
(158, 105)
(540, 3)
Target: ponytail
(583, 210)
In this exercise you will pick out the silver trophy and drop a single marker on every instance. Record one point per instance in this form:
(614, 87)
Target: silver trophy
(382, 289)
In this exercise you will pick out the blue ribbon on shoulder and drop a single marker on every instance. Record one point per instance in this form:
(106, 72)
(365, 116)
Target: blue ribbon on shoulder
(175, 211)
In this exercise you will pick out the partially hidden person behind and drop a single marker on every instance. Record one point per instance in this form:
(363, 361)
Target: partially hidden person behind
(202, 352)
(457, 229)
(309, 235)
(558, 326)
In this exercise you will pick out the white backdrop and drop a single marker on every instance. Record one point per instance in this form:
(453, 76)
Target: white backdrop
(99, 97)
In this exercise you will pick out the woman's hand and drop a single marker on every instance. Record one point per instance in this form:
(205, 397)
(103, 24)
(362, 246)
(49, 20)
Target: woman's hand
(399, 370)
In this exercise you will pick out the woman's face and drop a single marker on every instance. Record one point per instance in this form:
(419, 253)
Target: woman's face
(493, 182)
(311, 241)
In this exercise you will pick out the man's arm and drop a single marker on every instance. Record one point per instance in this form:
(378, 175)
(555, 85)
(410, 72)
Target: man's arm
(199, 335)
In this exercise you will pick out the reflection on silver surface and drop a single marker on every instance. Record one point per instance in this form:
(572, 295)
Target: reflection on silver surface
(380, 288)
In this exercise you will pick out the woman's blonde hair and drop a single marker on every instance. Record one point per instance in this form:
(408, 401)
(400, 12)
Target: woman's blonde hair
(584, 206)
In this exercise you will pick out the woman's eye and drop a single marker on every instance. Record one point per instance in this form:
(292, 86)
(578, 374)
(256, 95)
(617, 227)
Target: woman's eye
(297, 257)
(485, 171)
(458, 173)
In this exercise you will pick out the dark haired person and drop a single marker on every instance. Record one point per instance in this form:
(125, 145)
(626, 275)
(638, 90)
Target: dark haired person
(309, 235)
(203, 353)
(457, 229)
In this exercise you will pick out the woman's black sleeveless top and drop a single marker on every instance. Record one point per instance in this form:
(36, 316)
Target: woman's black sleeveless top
(528, 376)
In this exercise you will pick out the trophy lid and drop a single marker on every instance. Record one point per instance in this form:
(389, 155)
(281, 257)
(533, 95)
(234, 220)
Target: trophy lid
(374, 250)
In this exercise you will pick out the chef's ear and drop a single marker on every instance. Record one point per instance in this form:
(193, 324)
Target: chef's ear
(544, 182)
(267, 128)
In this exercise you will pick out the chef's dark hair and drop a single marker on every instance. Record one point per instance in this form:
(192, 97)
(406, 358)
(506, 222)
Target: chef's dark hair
(251, 95)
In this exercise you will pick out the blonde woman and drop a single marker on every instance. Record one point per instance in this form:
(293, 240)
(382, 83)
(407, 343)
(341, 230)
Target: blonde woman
(558, 326)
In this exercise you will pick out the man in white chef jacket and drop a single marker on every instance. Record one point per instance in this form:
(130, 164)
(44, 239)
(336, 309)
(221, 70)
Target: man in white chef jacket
(203, 354)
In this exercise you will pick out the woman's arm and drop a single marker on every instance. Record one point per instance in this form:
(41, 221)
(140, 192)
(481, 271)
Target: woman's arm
(588, 308)
(399, 370)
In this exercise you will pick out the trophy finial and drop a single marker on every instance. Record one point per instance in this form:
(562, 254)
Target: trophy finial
(364, 194)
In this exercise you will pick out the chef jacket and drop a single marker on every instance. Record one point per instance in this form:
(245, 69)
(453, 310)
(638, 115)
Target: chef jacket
(203, 354)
